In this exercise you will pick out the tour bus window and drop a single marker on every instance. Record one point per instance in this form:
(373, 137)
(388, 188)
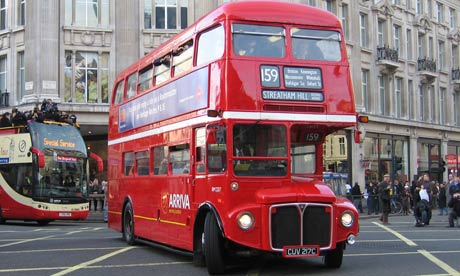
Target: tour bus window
(211, 45)
(258, 40)
(119, 92)
(182, 58)
(162, 69)
(142, 162)
(266, 142)
(160, 160)
(128, 163)
(145, 78)
(180, 159)
(310, 44)
(132, 83)
(217, 148)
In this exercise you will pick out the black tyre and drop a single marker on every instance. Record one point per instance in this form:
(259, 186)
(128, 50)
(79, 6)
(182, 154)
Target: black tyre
(128, 224)
(2, 220)
(333, 258)
(213, 246)
(43, 222)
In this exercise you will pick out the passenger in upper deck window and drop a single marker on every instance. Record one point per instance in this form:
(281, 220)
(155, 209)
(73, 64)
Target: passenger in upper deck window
(246, 46)
(307, 49)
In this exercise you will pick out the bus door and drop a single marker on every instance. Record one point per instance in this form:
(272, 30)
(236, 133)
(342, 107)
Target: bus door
(179, 193)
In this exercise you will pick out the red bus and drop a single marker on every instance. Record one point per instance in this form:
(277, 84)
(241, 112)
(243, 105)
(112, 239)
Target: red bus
(43, 172)
(216, 137)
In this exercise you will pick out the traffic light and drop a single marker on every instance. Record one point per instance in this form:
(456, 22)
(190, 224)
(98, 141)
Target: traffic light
(398, 163)
(443, 166)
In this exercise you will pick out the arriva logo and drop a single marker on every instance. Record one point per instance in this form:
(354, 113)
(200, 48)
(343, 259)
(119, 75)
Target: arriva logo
(180, 201)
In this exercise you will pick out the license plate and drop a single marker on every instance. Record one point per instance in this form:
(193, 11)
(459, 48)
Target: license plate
(300, 251)
(65, 214)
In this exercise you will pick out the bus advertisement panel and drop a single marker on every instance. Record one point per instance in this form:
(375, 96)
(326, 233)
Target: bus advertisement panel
(14, 149)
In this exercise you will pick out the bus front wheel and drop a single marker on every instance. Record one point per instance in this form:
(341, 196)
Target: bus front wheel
(128, 224)
(333, 258)
(213, 246)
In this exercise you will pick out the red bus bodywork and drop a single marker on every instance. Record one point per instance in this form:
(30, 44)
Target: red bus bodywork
(212, 103)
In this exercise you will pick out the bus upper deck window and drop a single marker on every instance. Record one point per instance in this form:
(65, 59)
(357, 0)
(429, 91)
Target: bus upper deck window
(211, 45)
(182, 58)
(162, 69)
(258, 40)
(119, 92)
(145, 78)
(316, 44)
(132, 83)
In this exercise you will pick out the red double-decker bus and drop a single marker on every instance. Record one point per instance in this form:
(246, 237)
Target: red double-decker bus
(44, 172)
(216, 137)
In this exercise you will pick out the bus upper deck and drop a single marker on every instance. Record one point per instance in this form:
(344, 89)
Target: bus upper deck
(300, 66)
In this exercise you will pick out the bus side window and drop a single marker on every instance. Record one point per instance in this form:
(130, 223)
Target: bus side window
(145, 78)
(142, 162)
(180, 159)
(162, 69)
(217, 148)
(132, 83)
(128, 163)
(160, 160)
(211, 45)
(182, 58)
(119, 92)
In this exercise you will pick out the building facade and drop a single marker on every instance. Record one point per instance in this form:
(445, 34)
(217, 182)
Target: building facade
(404, 57)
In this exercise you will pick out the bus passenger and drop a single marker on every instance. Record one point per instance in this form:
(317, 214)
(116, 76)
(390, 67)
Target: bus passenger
(240, 149)
(26, 187)
(5, 120)
(163, 167)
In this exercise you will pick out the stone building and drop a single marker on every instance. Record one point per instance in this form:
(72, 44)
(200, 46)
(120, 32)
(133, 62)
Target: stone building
(404, 57)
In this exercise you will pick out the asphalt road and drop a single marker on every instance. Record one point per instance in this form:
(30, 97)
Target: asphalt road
(90, 248)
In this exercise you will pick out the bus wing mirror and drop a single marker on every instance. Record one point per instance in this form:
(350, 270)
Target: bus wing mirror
(100, 162)
(40, 157)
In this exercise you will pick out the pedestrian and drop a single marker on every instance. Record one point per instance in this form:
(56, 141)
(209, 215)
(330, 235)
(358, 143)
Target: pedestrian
(405, 200)
(356, 195)
(454, 203)
(384, 194)
(442, 199)
(422, 210)
(454, 186)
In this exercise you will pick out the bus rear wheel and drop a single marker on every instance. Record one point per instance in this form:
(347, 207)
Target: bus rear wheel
(333, 258)
(128, 224)
(43, 222)
(2, 220)
(213, 246)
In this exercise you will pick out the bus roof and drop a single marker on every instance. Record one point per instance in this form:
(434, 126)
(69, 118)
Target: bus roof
(274, 11)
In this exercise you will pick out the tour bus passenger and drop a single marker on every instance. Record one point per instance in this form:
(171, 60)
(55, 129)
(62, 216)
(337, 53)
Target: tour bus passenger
(5, 120)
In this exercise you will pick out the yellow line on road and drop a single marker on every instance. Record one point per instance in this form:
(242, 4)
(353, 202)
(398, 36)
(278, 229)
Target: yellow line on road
(447, 268)
(85, 264)
(399, 236)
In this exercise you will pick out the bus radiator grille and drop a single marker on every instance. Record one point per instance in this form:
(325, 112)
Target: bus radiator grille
(300, 224)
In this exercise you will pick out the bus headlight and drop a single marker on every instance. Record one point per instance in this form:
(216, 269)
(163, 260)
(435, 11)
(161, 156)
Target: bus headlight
(347, 219)
(245, 220)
